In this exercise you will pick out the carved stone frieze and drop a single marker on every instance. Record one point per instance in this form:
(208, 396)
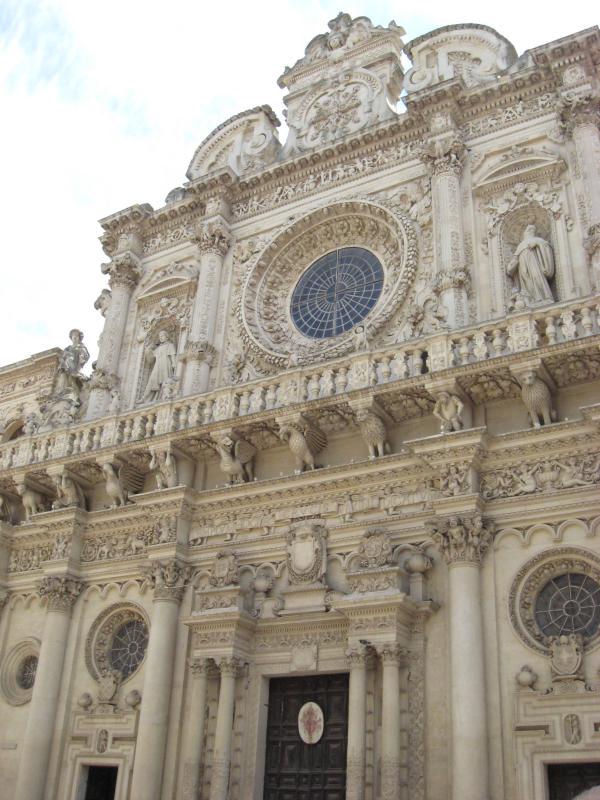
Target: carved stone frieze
(549, 474)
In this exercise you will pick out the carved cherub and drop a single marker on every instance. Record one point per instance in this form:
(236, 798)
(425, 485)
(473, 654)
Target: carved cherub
(448, 409)
(452, 481)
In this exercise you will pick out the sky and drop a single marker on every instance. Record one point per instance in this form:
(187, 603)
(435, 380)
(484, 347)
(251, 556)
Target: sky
(102, 105)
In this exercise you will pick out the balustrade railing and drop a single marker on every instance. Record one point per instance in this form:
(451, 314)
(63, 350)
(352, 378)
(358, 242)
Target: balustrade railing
(429, 354)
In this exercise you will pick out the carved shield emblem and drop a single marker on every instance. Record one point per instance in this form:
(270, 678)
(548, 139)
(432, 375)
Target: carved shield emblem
(302, 554)
(566, 655)
(310, 723)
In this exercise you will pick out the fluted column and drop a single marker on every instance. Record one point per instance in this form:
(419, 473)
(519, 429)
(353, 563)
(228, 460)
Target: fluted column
(443, 158)
(391, 656)
(213, 239)
(357, 658)
(37, 743)
(169, 579)
(124, 271)
(221, 765)
(192, 768)
(463, 542)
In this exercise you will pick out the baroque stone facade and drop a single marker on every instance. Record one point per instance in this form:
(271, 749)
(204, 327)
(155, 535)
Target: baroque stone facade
(343, 426)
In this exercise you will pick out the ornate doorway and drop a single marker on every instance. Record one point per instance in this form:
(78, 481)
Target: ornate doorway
(295, 769)
(568, 781)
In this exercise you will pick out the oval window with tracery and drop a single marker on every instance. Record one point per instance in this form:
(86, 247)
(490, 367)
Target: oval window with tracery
(128, 647)
(568, 603)
(337, 292)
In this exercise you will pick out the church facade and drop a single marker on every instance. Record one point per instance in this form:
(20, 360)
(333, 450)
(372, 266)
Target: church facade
(322, 523)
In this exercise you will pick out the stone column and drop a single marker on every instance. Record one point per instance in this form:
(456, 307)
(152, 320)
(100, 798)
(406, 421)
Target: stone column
(213, 240)
(391, 655)
(357, 723)
(463, 543)
(192, 769)
(443, 156)
(41, 721)
(169, 579)
(219, 788)
(124, 271)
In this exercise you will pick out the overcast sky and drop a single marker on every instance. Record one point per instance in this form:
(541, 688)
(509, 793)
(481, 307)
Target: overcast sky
(103, 105)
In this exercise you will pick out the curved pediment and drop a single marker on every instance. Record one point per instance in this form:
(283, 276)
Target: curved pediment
(501, 171)
(245, 142)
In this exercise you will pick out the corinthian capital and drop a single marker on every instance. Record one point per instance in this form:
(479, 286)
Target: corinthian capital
(462, 539)
(578, 109)
(213, 237)
(443, 156)
(230, 666)
(123, 270)
(168, 579)
(62, 592)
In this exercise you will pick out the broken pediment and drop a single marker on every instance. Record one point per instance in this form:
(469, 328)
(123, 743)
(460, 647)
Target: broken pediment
(499, 171)
(474, 53)
(244, 143)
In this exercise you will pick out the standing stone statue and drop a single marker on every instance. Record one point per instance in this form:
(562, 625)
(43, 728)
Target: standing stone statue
(163, 359)
(72, 361)
(532, 266)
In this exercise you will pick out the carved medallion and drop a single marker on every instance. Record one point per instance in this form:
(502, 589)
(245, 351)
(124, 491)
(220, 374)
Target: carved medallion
(310, 723)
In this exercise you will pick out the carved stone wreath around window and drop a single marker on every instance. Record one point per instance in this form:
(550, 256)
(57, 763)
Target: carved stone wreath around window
(117, 640)
(17, 675)
(557, 591)
(264, 311)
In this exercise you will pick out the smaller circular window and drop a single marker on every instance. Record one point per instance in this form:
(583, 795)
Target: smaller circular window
(569, 603)
(128, 647)
(17, 674)
(26, 670)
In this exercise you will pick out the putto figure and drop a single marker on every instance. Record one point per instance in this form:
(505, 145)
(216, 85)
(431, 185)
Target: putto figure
(532, 266)
(163, 359)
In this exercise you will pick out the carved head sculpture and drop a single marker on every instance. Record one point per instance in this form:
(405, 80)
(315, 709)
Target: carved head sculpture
(76, 336)
(163, 336)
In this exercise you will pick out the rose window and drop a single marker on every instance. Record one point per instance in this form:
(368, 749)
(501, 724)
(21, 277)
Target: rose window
(337, 292)
(26, 672)
(128, 647)
(568, 603)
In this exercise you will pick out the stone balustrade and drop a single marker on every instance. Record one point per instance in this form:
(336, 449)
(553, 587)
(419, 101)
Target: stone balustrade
(517, 333)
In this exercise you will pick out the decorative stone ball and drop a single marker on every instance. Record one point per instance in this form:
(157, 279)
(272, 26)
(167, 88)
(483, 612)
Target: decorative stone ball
(85, 700)
(134, 698)
(526, 677)
(417, 563)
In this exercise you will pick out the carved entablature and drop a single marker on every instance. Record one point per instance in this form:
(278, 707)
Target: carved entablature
(325, 104)
(244, 143)
(474, 54)
(266, 327)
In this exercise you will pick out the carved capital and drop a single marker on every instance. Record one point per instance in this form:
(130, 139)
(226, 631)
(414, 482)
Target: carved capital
(357, 657)
(462, 539)
(575, 110)
(168, 579)
(213, 237)
(391, 654)
(443, 156)
(62, 592)
(199, 666)
(230, 666)
(124, 270)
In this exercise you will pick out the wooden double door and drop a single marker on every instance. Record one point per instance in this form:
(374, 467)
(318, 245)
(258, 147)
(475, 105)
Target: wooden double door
(295, 770)
(567, 781)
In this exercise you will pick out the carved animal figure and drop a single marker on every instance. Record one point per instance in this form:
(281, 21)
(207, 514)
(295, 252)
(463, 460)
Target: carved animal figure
(120, 485)
(237, 459)
(538, 400)
(372, 429)
(33, 501)
(305, 442)
(69, 493)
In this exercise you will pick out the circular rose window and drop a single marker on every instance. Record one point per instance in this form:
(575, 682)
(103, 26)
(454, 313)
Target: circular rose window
(336, 292)
(569, 603)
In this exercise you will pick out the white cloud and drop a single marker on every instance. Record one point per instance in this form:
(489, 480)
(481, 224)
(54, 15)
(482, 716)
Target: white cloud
(104, 104)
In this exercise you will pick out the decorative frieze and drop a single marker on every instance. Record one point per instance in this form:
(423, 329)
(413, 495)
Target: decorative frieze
(549, 474)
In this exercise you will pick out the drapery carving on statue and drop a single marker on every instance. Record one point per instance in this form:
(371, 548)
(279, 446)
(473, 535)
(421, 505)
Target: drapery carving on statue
(72, 360)
(306, 557)
(532, 268)
(265, 324)
(162, 360)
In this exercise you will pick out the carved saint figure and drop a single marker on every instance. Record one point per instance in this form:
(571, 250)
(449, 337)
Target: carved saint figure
(532, 265)
(163, 359)
(71, 362)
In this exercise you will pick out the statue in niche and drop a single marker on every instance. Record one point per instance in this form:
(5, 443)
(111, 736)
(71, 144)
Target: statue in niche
(163, 359)
(71, 362)
(532, 266)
